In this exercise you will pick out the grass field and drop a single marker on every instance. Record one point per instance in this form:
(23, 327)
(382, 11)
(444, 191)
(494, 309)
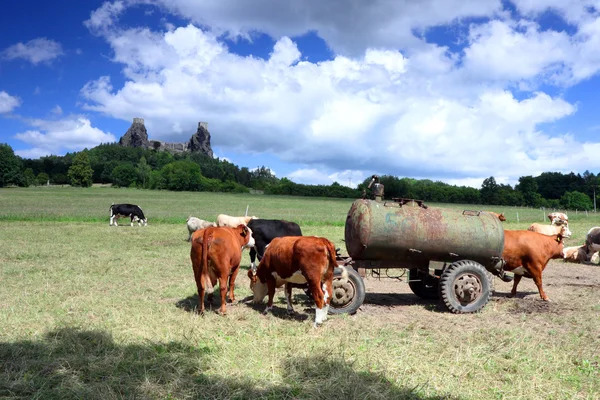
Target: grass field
(97, 312)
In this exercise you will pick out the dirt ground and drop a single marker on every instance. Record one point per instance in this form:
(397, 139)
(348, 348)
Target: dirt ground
(571, 287)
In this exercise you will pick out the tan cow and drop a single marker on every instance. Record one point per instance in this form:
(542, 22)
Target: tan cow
(216, 255)
(232, 222)
(193, 224)
(550, 230)
(527, 253)
(297, 260)
(575, 254)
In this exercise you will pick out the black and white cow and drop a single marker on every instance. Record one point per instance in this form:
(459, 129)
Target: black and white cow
(265, 230)
(127, 210)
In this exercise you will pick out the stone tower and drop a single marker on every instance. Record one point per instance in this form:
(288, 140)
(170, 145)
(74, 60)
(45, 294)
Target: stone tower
(200, 141)
(136, 135)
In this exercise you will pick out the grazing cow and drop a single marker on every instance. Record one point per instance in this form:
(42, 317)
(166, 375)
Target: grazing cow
(216, 254)
(193, 224)
(297, 259)
(232, 222)
(127, 210)
(550, 230)
(527, 253)
(575, 254)
(265, 230)
(500, 216)
(557, 218)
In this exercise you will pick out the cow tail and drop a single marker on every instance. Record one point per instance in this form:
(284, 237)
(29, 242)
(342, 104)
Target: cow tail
(333, 260)
(205, 276)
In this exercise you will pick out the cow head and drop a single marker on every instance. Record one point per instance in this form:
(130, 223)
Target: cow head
(501, 217)
(259, 289)
(564, 231)
(246, 234)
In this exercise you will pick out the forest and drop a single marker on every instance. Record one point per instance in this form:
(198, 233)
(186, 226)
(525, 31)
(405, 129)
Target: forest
(160, 170)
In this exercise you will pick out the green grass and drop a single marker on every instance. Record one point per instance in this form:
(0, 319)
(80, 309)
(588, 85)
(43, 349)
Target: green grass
(98, 312)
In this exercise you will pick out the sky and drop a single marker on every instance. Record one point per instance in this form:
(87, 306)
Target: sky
(318, 91)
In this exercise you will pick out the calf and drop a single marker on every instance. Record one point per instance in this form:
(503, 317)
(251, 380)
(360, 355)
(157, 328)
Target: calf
(127, 210)
(232, 222)
(557, 218)
(216, 254)
(527, 253)
(193, 224)
(575, 254)
(297, 259)
(265, 230)
(550, 230)
(500, 216)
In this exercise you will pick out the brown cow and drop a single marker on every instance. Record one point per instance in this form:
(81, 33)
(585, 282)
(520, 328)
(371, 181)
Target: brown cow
(216, 254)
(297, 259)
(527, 253)
(500, 216)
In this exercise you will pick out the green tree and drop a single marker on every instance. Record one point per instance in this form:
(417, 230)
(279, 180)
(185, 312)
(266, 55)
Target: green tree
(489, 191)
(576, 201)
(124, 175)
(528, 188)
(80, 173)
(29, 177)
(181, 175)
(144, 170)
(10, 166)
(42, 178)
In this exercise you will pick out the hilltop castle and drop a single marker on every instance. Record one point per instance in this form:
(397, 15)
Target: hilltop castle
(137, 136)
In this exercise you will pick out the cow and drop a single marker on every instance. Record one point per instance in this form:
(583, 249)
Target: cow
(297, 259)
(557, 218)
(575, 254)
(216, 254)
(193, 224)
(232, 222)
(127, 210)
(592, 243)
(265, 230)
(550, 230)
(527, 253)
(500, 216)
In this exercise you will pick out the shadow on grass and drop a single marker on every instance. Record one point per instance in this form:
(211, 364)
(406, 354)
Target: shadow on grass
(402, 299)
(71, 363)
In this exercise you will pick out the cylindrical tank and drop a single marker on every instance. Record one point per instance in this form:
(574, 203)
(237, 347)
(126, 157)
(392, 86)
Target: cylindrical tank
(412, 233)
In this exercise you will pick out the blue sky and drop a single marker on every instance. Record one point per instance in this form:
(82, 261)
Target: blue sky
(317, 91)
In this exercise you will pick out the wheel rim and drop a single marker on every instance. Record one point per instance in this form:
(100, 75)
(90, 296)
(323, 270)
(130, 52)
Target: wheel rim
(467, 288)
(343, 293)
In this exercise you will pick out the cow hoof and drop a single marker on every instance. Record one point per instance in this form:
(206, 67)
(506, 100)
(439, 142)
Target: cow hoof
(290, 312)
(547, 300)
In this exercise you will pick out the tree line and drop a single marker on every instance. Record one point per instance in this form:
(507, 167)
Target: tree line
(160, 170)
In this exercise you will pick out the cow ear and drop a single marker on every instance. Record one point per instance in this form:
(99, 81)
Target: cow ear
(244, 230)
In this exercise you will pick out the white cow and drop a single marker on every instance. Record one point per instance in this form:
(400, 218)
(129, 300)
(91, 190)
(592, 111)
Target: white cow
(557, 218)
(193, 224)
(233, 222)
(550, 230)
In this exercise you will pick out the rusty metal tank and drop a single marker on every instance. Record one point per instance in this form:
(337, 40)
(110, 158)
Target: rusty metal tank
(409, 232)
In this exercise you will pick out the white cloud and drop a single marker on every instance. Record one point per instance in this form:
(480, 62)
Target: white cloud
(35, 51)
(350, 178)
(73, 133)
(8, 102)
(427, 112)
(57, 110)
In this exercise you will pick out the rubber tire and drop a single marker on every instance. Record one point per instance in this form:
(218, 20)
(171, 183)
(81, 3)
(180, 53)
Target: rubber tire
(451, 274)
(359, 293)
(420, 288)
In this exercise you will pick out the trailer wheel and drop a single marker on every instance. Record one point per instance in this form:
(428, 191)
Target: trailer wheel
(347, 296)
(423, 285)
(465, 287)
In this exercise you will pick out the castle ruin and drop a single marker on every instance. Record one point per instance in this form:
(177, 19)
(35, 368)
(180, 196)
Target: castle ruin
(137, 136)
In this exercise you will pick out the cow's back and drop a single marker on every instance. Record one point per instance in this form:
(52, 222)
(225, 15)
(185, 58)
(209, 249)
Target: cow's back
(266, 230)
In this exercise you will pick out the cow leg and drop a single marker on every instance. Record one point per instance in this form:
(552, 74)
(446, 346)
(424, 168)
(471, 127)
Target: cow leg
(223, 289)
(319, 298)
(131, 221)
(328, 292)
(198, 278)
(271, 291)
(513, 292)
(252, 258)
(537, 279)
(288, 298)
(232, 284)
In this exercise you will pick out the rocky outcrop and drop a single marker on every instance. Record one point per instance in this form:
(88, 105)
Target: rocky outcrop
(137, 136)
(200, 141)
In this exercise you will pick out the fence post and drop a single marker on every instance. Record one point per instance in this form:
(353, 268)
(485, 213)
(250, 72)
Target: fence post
(517, 217)
(245, 215)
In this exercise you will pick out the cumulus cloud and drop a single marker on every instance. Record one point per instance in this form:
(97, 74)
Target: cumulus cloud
(8, 102)
(73, 133)
(427, 112)
(35, 51)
